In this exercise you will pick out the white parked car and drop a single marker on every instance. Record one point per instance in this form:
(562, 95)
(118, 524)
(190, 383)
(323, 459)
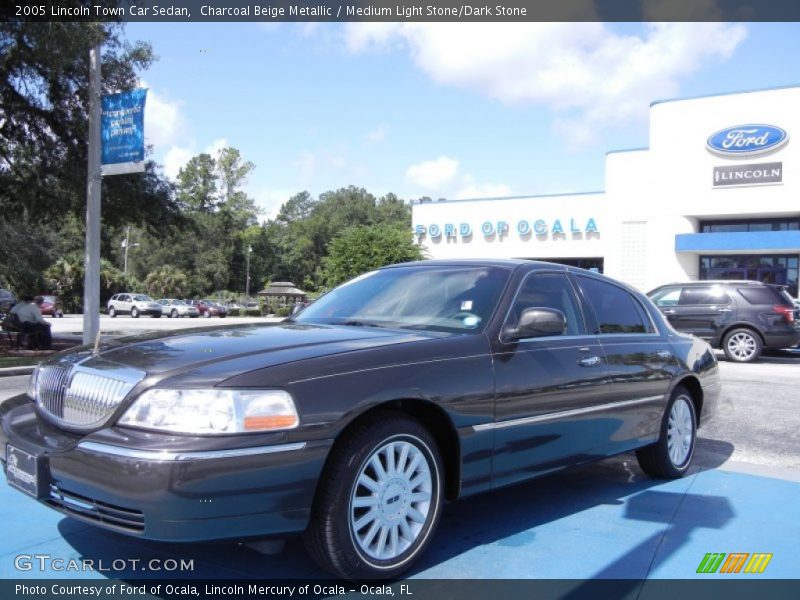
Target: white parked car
(133, 305)
(172, 307)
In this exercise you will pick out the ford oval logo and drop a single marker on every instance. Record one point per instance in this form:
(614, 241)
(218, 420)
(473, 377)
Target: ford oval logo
(746, 140)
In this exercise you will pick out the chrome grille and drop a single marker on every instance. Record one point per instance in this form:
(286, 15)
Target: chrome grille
(49, 388)
(83, 396)
(95, 510)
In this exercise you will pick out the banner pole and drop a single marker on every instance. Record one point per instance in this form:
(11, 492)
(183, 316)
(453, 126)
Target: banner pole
(91, 281)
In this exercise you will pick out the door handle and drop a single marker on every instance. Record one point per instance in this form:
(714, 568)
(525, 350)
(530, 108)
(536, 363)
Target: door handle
(589, 361)
(669, 311)
(664, 354)
(724, 310)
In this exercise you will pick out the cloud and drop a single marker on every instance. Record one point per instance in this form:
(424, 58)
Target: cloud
(433, 174)
(377, 135)
(269, 200)
(174, 160)
(164, 121)
(177, 156)
(588, 75)
(442, 177)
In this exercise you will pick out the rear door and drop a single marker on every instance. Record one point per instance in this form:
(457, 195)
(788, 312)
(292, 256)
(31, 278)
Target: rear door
(640, 361)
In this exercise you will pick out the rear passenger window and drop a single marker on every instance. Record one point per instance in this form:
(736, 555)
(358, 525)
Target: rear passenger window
(760, 295)
(616, 310)
(712, 294)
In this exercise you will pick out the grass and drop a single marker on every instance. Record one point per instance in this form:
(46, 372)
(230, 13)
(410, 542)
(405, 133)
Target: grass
(20, 361)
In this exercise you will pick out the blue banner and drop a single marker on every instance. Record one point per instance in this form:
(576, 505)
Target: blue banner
(122, 131)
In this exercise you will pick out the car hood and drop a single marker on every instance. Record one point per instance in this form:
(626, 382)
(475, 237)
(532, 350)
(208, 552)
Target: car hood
(252, 346)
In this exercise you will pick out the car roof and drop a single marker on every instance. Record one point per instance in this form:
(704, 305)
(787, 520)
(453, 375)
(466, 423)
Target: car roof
(716, 282)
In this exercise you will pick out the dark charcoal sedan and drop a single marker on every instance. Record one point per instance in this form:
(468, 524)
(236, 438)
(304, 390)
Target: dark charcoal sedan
(353, 422)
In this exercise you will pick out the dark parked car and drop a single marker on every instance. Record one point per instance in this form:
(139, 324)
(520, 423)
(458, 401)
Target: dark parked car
(741, 317)
(354, 421)
(208, 308)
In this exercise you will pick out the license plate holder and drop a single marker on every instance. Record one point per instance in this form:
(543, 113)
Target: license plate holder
(26, 472)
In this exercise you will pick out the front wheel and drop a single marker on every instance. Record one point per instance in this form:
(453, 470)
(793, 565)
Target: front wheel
(742, 345)
(111, 312)
(669, 458)
(379, 504)
(174, 313)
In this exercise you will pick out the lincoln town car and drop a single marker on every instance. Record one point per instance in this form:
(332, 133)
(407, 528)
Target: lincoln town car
(354, 421)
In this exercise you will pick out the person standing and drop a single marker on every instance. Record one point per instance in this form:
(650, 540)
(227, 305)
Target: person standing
(33, 324)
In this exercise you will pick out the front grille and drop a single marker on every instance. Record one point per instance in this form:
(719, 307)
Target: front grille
(128, 519)
(81, 396)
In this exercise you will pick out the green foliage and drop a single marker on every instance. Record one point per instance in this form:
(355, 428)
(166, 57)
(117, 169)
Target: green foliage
(43, 152)
(364, 248)
(283, 311)
(166, 282)
(65, 278)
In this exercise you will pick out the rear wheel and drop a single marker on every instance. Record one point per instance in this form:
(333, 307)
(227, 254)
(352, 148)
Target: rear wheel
(669, 458)
(174, 313)
(742, 345)
(135, 312)
(379, 504)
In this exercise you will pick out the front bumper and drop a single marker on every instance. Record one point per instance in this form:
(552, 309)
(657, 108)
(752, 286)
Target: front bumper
(167, 487)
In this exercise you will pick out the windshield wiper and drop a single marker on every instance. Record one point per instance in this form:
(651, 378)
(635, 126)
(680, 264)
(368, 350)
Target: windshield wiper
(356, 323)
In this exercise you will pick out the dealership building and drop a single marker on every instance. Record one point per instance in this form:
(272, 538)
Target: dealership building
(716, 195)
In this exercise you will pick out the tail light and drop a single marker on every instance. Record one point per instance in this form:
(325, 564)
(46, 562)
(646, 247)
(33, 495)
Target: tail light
(786, 311)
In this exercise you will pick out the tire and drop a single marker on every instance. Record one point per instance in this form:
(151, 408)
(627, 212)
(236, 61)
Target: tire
(670, 457)
(112, 312)
(742, 345)
(357, 542)
(207, 315)
(135, 313)
(173, 314)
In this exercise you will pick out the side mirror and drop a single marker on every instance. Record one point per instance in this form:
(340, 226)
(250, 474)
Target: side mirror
(539, 322)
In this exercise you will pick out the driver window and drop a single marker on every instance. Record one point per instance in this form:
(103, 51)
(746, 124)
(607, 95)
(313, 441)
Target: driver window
(548, 290)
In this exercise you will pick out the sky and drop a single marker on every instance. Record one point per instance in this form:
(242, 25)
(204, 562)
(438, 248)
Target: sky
(453, 110)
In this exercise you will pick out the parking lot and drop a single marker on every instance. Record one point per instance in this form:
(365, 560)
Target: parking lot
(605, 520)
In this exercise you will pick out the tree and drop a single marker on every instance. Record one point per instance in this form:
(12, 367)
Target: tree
(44, 75)
(364, 248)
(166, 282)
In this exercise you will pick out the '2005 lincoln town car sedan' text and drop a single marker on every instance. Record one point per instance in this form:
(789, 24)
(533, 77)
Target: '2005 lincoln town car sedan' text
(353, 421)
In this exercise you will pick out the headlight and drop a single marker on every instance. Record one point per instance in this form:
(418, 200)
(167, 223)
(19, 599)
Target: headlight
(212, 411)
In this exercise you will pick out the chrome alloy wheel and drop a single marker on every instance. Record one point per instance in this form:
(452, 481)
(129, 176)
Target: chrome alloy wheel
(391, 500)
(742, 346)
(680, 431)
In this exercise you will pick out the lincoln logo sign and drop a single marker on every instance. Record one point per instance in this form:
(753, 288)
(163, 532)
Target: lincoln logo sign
(746, 140)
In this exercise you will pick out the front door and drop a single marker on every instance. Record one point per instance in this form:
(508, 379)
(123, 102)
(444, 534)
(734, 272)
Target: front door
(546, 387)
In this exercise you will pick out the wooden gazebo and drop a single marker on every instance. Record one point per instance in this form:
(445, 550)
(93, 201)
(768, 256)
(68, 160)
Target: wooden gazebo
(284, 291)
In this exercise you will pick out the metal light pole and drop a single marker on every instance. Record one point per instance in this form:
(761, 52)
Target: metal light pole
(91, 281)
(126, 243)
(247, 285)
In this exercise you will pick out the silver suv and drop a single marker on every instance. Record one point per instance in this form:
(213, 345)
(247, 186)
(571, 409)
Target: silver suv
(177, 308)
(133, 305)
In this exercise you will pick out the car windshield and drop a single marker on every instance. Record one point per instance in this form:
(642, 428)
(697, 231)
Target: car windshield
(142, 298)
(50, 299)
(437, 298)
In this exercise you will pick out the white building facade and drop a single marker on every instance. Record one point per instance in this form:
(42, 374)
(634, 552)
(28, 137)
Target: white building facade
(715, 196)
